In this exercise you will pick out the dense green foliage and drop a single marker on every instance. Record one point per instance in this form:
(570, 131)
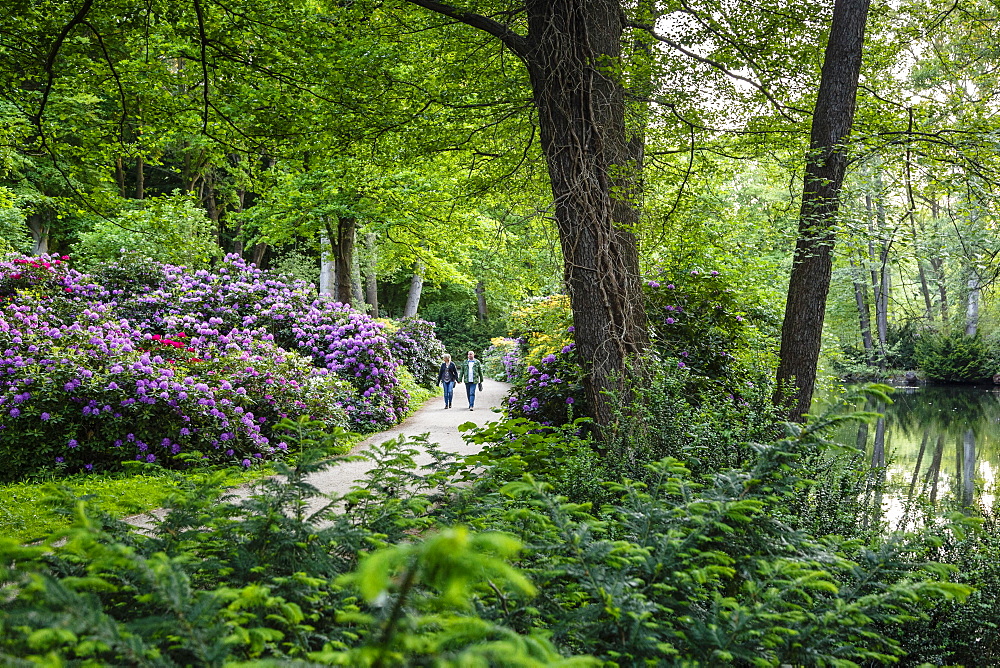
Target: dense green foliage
(677, 570)
(955, 357)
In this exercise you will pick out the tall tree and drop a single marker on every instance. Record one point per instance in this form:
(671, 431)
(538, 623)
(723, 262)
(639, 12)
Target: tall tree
(826, 164)
(573, 52)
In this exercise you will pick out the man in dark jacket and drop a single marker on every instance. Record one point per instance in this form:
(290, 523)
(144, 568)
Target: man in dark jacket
(470, 372)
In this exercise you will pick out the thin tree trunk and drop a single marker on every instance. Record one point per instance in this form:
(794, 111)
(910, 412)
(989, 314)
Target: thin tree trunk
(972, 307)
(937, 264)
(120, 175)
(238, 241)
(416, 286)
(481, 301)
(327, 282)
(371, 278)
(259, 251)
(140, 179)
(921, 272)
(809, 283)
(357, 291)
(864, 316)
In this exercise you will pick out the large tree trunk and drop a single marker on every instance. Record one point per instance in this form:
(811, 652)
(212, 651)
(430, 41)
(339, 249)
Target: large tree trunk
(809, 283)
(572, 51)
(344, 259)
(594, 181)
(336, 269)
(416, 287)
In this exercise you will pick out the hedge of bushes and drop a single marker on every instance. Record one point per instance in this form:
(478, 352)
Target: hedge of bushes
(158, 363)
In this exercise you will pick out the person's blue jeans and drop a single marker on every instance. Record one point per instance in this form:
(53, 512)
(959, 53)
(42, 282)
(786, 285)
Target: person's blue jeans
(449, 391)
(470, 389)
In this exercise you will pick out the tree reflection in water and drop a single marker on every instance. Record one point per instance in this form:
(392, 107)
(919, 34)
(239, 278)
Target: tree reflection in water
(912, 439)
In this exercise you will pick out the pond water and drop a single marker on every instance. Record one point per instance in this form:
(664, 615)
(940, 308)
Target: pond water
(938, 442)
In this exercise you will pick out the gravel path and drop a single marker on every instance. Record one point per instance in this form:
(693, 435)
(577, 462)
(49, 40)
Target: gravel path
(433, 419)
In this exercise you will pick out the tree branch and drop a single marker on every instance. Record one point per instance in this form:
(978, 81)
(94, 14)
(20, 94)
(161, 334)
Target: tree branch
(513, 41)
(50, 60)
(722, 68)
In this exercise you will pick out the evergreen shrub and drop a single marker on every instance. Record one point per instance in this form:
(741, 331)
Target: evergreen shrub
(954, 357)
(680, 570)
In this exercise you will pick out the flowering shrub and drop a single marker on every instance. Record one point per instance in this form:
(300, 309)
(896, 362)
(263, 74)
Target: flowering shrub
(545, 324)
(694, 317)
(91, 393)
(48, 272)
(550, 392)
(415, 346)
(502, 359)
(155, 362)
(238, 295)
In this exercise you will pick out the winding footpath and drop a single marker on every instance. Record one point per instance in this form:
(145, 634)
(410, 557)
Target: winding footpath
(439, 423)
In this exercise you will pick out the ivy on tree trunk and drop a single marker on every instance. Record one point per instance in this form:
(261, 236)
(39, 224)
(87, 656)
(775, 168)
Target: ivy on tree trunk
(573, 53)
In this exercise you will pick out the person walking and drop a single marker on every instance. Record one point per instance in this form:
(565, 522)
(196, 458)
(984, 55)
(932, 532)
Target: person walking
(470, 372)
(447, 377)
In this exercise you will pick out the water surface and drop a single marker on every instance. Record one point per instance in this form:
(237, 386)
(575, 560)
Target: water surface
(938, 442)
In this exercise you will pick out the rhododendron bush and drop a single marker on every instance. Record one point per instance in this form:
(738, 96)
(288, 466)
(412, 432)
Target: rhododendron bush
(197, 362)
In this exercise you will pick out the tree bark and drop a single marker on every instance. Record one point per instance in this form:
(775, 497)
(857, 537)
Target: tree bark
(140, 179)
(581, 110)
(336, 269)
(344, 259)
(326, 264)
(864, 316)
(120, 176)
(416, 287)
(38, 225)
(809, 283)
(573, 50)
(972, 307)
(259, 251)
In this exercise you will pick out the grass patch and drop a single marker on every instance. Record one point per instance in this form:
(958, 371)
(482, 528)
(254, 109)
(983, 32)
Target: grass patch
(30, 511)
